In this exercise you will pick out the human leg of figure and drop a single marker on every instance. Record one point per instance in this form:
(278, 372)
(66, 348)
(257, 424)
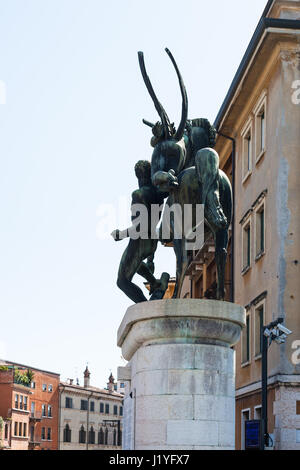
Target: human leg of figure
(129, 265)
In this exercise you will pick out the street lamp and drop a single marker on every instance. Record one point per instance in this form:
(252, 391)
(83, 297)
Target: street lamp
(274, 331)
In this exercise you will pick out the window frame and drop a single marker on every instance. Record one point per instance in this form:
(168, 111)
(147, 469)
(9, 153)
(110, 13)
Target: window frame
(246, 131)
(257, 307)
(259, 109)
(259, 254)
(70, 401)
(246, 223)
(247, 362)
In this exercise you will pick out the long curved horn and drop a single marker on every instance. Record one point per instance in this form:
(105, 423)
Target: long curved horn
(184, 113)
(158, 106)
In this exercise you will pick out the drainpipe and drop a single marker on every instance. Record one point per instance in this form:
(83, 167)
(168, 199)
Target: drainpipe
(233, 161)
(59, 415)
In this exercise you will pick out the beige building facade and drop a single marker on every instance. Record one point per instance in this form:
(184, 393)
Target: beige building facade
(90, 417)
(260, 118)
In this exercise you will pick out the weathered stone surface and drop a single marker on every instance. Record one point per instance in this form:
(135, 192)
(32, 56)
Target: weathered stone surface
(192, 433)
(211, 407)
(183, 386)
(185, 320)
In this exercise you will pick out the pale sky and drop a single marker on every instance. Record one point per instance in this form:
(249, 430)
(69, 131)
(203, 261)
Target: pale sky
(70, 134)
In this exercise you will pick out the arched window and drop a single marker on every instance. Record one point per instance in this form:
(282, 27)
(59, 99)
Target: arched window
(106, 437)
(67, 433)
(92, 436)
(101, 437)
(82, 435)
(115, 438)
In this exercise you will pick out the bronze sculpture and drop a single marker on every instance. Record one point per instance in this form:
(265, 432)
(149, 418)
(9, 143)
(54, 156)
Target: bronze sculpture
(139, 249)
(185, 169)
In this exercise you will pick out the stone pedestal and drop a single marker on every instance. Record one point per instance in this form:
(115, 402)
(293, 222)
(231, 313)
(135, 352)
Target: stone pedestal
(180, 378)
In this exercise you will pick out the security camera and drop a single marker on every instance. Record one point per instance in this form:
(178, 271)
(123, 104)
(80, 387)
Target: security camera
(279, 340)
(267, 332)
(284, 329)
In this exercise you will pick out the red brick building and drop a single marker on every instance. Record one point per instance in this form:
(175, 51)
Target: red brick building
(32, 408)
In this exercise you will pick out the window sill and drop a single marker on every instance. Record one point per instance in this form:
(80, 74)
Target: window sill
(245, 364)
(258, 357)
(260, 155)
(247, 175)
(245, 270)
(259, 256)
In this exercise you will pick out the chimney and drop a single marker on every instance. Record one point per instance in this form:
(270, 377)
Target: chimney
(71, 381)
(86, 376)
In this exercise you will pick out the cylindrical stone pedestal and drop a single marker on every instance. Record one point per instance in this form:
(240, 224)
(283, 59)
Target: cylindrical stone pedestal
(181, 374)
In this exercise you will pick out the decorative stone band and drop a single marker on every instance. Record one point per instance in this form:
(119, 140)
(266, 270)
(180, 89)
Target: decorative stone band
(193, 321)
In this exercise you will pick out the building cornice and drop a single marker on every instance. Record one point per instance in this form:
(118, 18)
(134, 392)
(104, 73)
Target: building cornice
(265, 26)
(279, 379)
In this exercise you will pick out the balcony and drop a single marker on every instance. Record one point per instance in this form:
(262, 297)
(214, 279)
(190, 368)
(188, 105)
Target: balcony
(35, 416)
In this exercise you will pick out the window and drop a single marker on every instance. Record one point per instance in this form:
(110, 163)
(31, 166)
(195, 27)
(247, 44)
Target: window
(44, 387)
(106, 437)
(21, 402)
(16, 429)
(43, 434)
(32, 433)
(20, 429)
(32, 407)
(16, 401)
(121, 410)
(25, 403)
(49, 434)
(246, 250)
(114, 438)
(245, 417)
(6, 432)
(82, 435)
(122, 385)
(67, 433)
(25, 430)
(101, 407)
(101, 437)
(260, 127)
(246, 341)
(257, 412)
(69, 402)
(116, 387)
(260, 231)
(107, 408)
(298, 407)
(247, 150)
(44, 410)
(115, 410)
(92, 406)
(84, 405)
(50, 388)
(92, 436)
(258, 324)
(32, 384)
(49, 411)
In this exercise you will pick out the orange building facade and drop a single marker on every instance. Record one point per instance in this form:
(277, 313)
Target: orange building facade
(30, 412)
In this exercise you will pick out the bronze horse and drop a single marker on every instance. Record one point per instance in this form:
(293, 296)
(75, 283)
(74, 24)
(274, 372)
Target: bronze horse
(185, 166)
